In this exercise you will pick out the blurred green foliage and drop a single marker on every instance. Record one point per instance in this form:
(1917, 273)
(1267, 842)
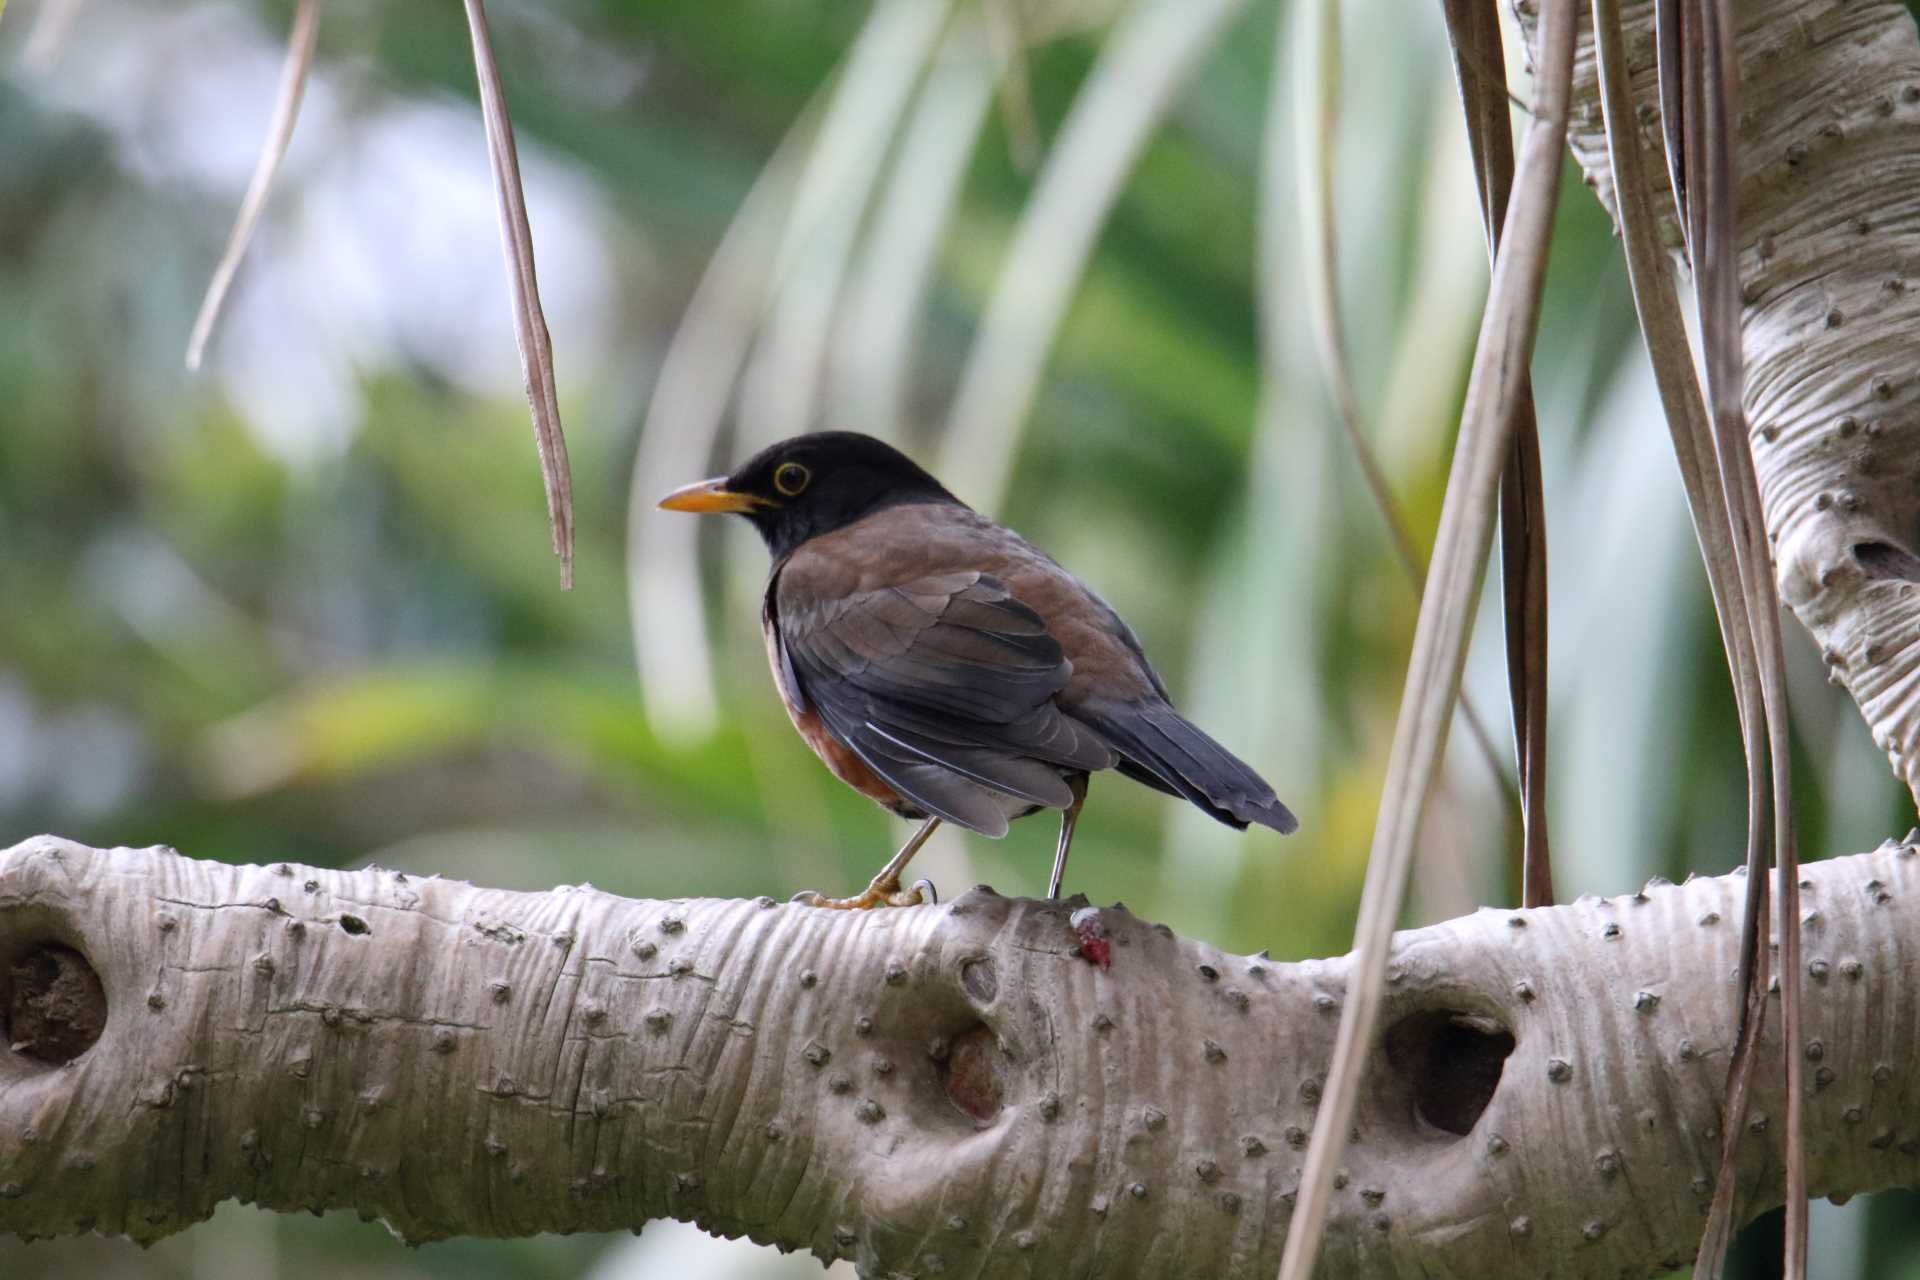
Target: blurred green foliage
(354, 648)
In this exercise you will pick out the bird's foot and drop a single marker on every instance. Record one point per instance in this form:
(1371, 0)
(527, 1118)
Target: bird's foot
(884, 891)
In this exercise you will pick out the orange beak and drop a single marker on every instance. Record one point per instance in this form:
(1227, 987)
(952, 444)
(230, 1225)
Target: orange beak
(705, 497)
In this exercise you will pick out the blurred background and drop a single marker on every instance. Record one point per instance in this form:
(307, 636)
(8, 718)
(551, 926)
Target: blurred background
(301, 605)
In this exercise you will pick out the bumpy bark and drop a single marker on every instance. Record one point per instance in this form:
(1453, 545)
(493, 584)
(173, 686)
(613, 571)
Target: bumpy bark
(961, 1091)
(1829, 155)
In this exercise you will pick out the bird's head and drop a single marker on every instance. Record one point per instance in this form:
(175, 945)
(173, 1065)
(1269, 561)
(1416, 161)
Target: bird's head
(810, 485)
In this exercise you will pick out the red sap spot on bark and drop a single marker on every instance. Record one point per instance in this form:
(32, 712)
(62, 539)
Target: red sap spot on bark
(1095, 947)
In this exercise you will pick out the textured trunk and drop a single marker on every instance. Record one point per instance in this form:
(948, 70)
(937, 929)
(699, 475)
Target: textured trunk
(959, 1091)
(1830, 267)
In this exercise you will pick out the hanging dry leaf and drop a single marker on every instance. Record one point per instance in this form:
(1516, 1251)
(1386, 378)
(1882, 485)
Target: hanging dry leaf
(529, 323)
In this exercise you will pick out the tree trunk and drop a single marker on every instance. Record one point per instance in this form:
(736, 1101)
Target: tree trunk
(1829, 158)
(965, 1090)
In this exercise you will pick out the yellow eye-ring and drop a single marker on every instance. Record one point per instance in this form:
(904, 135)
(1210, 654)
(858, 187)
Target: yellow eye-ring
(790, 478)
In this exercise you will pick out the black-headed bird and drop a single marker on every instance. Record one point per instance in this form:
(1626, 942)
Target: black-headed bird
(944, 666)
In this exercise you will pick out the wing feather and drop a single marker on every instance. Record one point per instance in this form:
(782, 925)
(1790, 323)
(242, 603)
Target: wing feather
(944, 686)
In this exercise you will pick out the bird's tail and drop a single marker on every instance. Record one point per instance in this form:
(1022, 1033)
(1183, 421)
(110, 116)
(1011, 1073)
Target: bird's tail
(1167, 751)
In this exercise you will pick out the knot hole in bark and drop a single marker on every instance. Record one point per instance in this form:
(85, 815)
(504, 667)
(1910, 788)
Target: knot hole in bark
(1882, 559)
(980, 979)
(52, 1006)
(971, 1074)
(1447, 1063)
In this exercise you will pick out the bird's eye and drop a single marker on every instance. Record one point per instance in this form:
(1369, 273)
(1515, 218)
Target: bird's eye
(790, 478)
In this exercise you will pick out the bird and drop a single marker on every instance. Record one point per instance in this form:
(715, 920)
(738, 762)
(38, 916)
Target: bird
(946, 668)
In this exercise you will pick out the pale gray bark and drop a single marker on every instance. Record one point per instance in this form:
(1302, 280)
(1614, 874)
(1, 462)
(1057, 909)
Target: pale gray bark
(1830, 264)
(464, 1061)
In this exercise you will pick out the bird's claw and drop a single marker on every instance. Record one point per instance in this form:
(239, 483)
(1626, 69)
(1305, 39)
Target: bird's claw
(881, 893)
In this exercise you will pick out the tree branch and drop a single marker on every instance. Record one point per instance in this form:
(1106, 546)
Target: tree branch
(1829, 229)
(959, 1083)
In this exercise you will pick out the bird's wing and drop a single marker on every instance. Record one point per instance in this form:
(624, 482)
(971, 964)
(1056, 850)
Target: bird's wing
(1167, 751)
(944, 685)
(1115, 691)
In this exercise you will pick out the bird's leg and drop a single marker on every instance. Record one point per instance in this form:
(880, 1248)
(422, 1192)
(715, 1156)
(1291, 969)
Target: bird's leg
(1077, 785)
(884, 890)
